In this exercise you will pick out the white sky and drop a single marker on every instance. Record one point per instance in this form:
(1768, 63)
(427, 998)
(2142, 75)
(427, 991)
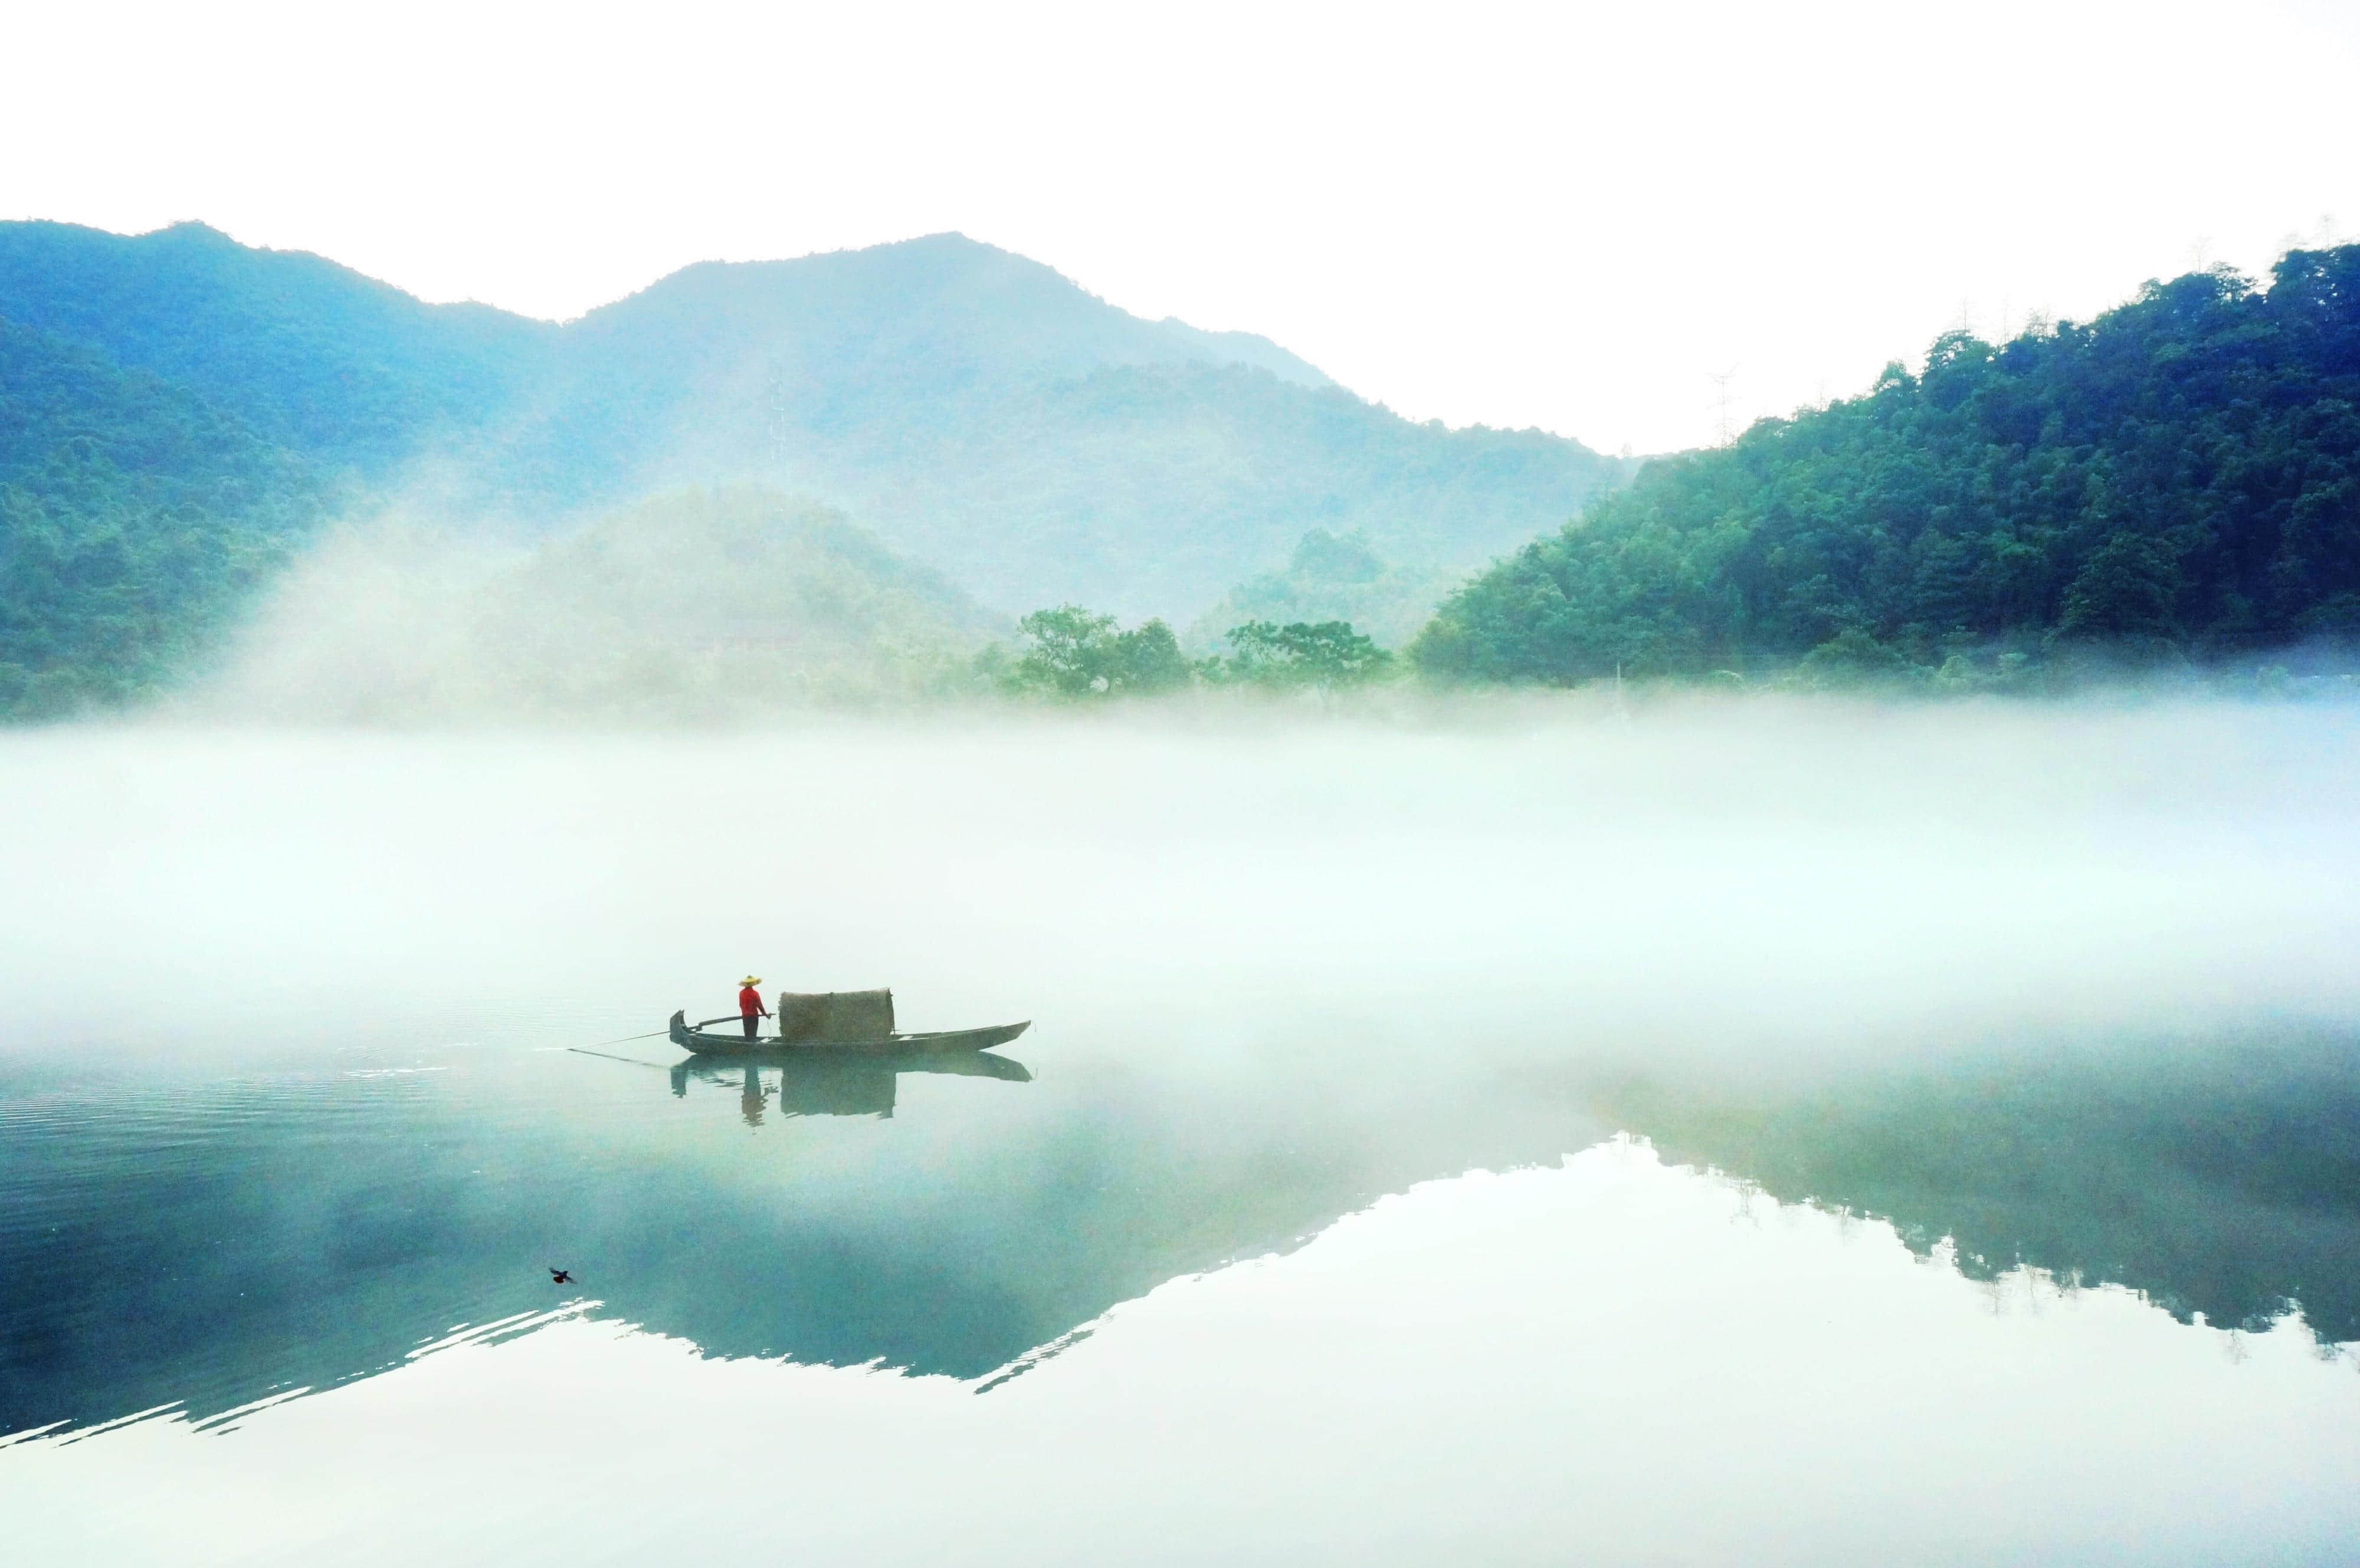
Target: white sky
(1565, 215)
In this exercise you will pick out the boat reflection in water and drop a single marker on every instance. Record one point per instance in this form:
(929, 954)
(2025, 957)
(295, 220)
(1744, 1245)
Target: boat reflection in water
(803, 1085)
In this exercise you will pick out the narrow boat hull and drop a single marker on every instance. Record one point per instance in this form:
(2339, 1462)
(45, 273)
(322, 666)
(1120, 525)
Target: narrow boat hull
(700, 1042)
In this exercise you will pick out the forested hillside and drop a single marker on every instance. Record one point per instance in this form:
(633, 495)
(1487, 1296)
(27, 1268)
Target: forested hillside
(313, 357)
(2181, 476)
(135, 519)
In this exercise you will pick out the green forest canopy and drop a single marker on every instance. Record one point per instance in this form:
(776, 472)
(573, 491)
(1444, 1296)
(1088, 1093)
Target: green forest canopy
(134, 516)
(348, 372)
(2181, 474)
(1075, 654)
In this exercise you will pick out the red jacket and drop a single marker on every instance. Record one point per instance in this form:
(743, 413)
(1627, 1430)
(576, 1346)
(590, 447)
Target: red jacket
(749, 1002)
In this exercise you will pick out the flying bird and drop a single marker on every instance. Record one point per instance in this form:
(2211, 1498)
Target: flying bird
(559, 1276)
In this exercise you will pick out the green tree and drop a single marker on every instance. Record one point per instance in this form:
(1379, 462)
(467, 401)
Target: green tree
(1077, 653)
(1327, 654)
(2126, 589)
(1854, 658)
(1071, 651)
(1148, 661)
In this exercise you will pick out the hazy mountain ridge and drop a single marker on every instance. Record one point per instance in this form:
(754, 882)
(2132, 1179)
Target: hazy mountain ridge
(828, 374)
(979, 409)
(986, 414)
(700, 605)
(1232, 465)
(944, 310)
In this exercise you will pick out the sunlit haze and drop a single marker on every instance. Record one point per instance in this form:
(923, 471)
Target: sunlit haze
(1589, 219)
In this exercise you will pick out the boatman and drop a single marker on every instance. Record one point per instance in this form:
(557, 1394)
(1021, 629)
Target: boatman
(749, 1004)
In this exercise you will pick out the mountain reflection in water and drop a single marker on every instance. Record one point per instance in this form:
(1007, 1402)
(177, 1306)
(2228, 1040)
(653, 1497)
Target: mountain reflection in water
(2220, 1177)
(1603, 1361)
(213, 1242)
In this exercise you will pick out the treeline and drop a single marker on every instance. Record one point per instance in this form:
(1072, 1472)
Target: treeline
(1078, 655)
(2179, 478)
(1333, 577)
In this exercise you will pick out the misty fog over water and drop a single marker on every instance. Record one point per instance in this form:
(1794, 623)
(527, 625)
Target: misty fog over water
(2020, 1039)
(1706, 876)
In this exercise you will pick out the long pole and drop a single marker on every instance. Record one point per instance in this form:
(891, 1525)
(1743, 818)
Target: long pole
(624, 1040)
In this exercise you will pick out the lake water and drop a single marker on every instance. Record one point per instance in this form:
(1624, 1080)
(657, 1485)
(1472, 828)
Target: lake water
(1731, 1133)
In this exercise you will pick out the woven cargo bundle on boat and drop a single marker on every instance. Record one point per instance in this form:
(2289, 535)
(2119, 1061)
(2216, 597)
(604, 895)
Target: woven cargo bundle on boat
(834, 1015)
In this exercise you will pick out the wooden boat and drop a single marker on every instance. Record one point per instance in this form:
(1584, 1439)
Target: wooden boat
(693, 1038)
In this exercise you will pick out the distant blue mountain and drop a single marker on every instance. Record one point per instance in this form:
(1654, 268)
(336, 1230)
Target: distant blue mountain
(985, 413)
(976, 408)
(936, 316)
(309, 354)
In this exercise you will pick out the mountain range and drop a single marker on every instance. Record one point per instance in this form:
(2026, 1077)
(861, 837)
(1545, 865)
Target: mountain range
(884, 456)
(974, 409)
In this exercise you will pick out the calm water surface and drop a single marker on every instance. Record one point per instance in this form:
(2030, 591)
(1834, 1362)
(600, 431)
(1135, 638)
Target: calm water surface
(1735, 1134)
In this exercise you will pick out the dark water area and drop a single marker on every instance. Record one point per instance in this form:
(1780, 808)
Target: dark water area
(1738, 1132)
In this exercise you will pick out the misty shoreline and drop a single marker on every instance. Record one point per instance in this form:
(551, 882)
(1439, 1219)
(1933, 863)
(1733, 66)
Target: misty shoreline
(1404, 705)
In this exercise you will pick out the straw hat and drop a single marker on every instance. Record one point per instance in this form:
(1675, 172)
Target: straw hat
(751, 980)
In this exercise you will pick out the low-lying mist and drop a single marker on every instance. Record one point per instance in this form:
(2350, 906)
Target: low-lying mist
(2068, 983)
(736, 607)
(1732, 879)
(699, 606)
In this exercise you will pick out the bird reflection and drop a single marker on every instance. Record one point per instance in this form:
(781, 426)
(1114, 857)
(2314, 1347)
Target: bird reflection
(844, 1086)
